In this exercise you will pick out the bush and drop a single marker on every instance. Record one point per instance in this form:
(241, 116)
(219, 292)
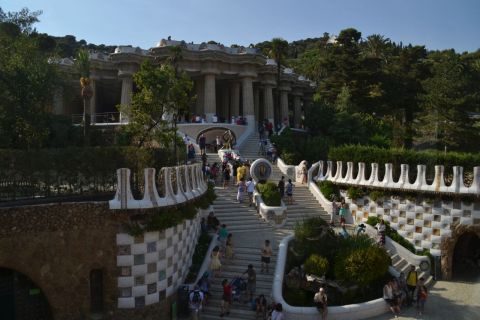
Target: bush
(355, 193)
(362, 266)
(198, 256)
(376, 195)
(316, 265)
(392, 233)
(314, 236)
(270, 194)
(329, 190)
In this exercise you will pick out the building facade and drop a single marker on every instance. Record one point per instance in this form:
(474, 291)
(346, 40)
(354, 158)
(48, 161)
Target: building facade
(228, 82)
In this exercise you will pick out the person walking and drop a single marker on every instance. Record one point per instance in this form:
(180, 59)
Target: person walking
(226, 298)
(229, 247)
(382, 228)
(304, 173)
(266, 256)
(320, 300)
(412, 279)
(281, 187)
(290, 191)
(250, 189)
(241, 189)
(226, 176)
(422, 295)
(342, 212)
(251, 282)
(215, 264)
(389, 298)
(261, 307)
(218, 143)
(277, 313)
(222, 237)
(195, 304)
(202, 142)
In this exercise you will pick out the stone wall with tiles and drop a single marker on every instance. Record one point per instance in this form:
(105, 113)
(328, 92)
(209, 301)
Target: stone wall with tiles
(151, 267)
(423, 223)
(58, 245)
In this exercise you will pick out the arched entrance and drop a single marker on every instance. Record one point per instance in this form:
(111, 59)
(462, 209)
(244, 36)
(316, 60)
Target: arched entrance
(21, 298)
(211, 135)
(466, 257)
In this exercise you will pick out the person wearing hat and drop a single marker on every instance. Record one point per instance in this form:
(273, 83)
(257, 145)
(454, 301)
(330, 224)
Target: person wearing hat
(320, 300)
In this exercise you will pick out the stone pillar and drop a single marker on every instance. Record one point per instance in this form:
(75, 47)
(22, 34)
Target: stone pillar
(127, 88)
(58, 101)
(200, 99)
(256, 100)
(210, 104)
(248, 103)
(93, 101)
(297, 105)
(226, 103)
(283, 105)
(268, 98)
(235, 100)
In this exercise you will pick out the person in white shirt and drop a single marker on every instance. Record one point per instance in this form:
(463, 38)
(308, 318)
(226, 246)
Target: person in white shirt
(195, 302)
(250, 189)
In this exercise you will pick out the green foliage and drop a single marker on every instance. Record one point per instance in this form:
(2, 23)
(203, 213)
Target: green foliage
(355, 193)
(362, 266)
(162, 93)
(392, 233)
(199, 254)
(316, 265)
(299, 297)
(314, 236)
(67, 171)
(329, 189)
(270, 194)
(207, 199)
(376, 195)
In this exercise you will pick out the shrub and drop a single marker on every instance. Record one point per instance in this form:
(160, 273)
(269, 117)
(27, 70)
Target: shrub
(376, 195)
(362, 266)
(316, 265)
(198, 256)
(355, 193)
(314, 235)
(329, 189)
(270, 194)
(392, 233)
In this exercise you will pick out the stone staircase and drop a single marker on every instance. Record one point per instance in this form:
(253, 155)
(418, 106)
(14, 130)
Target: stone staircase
(249, 149)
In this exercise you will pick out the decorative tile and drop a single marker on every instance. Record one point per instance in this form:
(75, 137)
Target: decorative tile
(152, 288)
(123, 250)
(162, 275)
(139, 239)
(125, 292)
(152, 267)
(125, 271)
(162, 254)
(169, 242)
(170, 281)
(152, 246)
(139, 302)
(139, 281)
(169, 262)
(138, 259)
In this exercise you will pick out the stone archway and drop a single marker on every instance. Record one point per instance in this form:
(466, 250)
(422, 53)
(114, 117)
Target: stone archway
(21, 298)
(211, 133)
(461, 237)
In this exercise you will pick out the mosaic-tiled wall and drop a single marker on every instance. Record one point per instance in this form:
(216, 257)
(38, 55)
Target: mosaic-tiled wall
(153, 266)
(423, 223)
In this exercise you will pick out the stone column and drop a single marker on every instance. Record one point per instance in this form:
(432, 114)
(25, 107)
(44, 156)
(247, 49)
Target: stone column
(235, 100)
(58, 101)
(226, 102)
(297, 105)
(93, 101)
(200, 99)
(126, 99)
(256, 100)
(210, 104)
(268, 98)
(248, 103)
(283, 105)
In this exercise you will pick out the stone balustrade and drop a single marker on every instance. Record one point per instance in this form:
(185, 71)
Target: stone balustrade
(438, 185)
(181, 184)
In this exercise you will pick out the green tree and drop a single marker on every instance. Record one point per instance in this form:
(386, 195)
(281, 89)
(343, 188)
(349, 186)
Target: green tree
(83, 65)
(27, 83)
(160, 95)
(278, 52)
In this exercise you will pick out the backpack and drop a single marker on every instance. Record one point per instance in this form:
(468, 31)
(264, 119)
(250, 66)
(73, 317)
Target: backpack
(196, 297)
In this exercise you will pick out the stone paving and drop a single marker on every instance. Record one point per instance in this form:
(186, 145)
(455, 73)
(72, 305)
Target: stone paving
(447, 300)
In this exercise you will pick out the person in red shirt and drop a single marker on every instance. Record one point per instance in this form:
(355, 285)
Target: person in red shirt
(226, 298)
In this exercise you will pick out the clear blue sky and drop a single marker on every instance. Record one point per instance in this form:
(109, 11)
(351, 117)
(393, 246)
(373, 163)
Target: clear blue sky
(438, 24)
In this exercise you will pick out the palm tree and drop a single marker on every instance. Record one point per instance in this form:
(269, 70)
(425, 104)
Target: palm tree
(175, 57)
(376, 46)
(278, 53)
(83, 65)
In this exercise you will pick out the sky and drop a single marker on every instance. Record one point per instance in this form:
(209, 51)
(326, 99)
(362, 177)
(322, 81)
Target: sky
(437, 24)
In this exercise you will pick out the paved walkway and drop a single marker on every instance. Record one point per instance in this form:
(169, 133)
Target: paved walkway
(448, 300)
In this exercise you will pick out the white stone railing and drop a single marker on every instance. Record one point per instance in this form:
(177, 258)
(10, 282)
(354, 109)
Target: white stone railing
(438, 186)
(288, 170)
(276, 216)
(312, 186)
(194, 186)
(347, 312)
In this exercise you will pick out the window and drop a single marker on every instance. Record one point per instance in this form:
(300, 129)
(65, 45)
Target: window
(96, 290)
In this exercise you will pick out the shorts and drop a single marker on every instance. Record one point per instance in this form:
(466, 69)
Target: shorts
(251, 287)
(391, 302)
(226, 299)
(266, 259)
